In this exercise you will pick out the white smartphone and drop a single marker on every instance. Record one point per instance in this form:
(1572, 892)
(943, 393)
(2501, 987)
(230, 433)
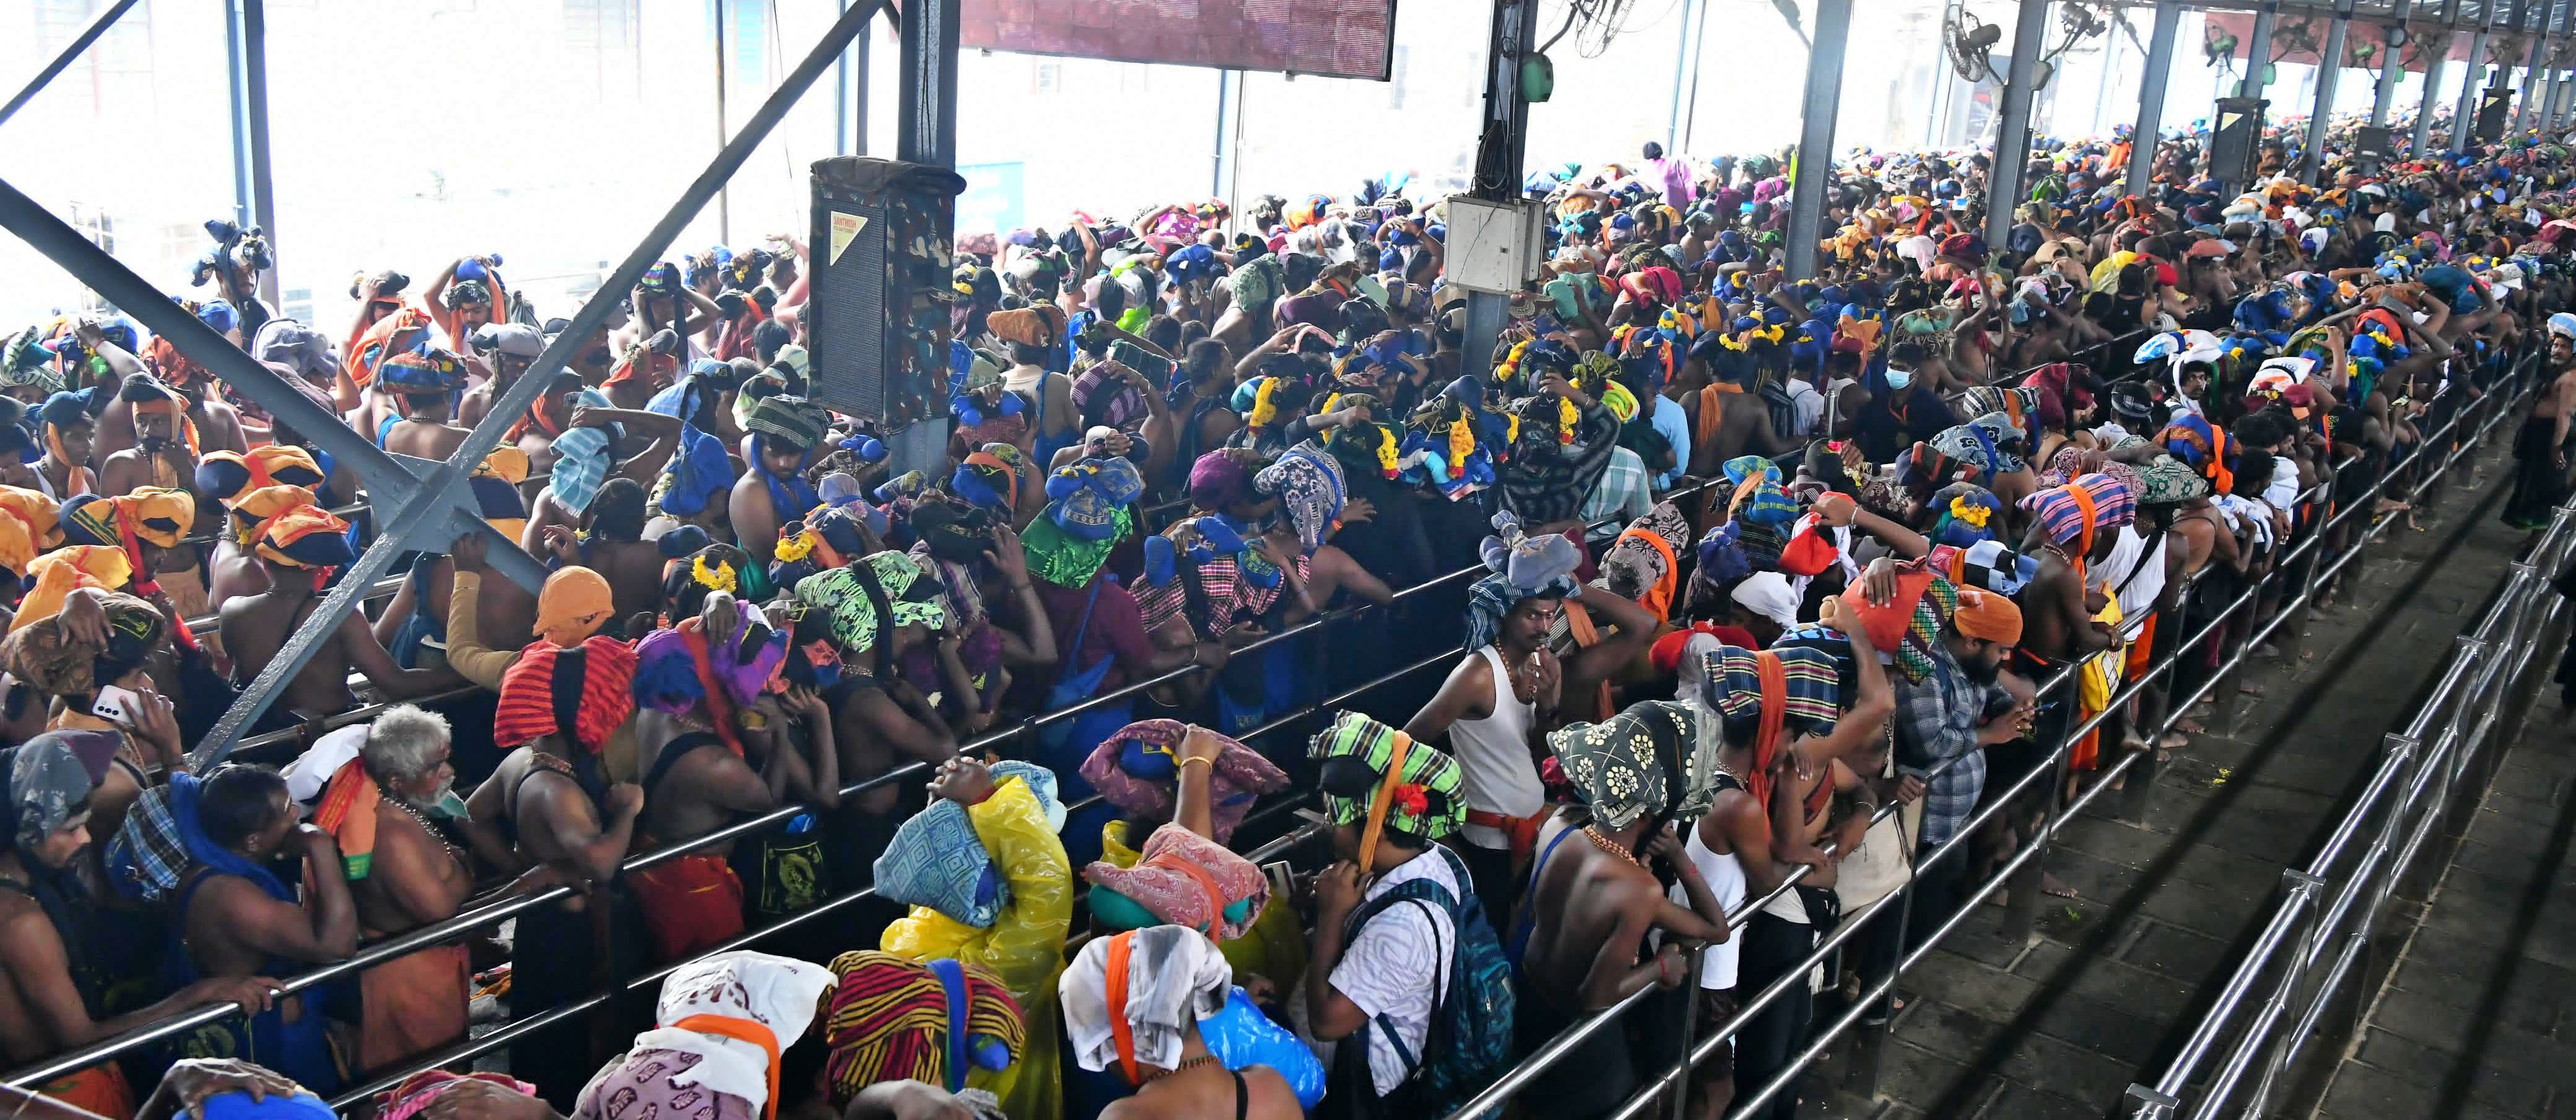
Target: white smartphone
(117, 704)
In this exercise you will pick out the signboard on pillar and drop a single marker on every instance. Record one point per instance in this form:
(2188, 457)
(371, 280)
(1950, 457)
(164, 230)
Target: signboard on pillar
(2370, 146)
(2233, 143)
(2495, 107)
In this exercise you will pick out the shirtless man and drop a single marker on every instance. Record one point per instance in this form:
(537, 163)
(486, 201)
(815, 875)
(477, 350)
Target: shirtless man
(506, 350)
(611, 542)
(663, 434)
(423, 429)
(1804, 778)
(1590, 912)
(53, 996)
(255, 627)
(1741, 424)
(2540, 450)
(238, 919)
(218, 426)
(538, 804)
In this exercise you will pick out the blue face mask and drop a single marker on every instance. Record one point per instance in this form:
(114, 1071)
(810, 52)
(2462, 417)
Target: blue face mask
(1899, 379)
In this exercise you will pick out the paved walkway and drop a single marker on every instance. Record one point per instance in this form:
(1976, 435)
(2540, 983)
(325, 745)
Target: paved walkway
(2478, 1018)
(2104, 993)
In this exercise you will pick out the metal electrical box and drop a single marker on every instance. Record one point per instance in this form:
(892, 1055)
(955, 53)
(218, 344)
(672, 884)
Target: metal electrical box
(1494, 246)
(2233, 143)
(878, 310)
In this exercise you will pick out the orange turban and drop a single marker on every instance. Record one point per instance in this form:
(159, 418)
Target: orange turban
(1988, 616)
(227, 475)
(30, 523)
(304, 536)
(252, 508)
(574, 603)
(65, 570)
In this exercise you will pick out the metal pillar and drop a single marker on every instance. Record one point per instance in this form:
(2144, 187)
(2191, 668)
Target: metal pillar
(1818, 108)
(1500, 149)
(63, 60)
(2433, 67)
(2151, 97)
(717, 14)
(2556, 111)
(2526, 105)
(436, 505)
(1681, 69)
(1698, 32)
(929, 104)
(2312, 157)
(2392, 65)
(1229, 123)
(254, 195)
(2464, 118)
(2012, 136)
(2258, 49)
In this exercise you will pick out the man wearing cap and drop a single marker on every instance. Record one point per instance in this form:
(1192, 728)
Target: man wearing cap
(296, 547)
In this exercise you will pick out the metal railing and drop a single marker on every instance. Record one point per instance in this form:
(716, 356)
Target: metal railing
(2341, 895)
(2133, 772)
(492, 914)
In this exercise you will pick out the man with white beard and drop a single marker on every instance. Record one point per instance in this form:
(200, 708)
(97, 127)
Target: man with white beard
(418, 871)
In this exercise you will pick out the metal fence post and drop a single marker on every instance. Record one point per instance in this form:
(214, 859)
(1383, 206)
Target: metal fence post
(2021, 911)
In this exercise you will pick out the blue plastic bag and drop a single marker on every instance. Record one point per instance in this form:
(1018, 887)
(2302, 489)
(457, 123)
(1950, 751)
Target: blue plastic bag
(1240, 1035)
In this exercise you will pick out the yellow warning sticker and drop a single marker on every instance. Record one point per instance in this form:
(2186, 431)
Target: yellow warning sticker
(845, 229)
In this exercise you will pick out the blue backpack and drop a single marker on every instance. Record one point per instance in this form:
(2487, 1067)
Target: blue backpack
(1469, 1045)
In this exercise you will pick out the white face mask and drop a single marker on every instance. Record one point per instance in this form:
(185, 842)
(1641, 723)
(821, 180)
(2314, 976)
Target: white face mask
(1899, 378)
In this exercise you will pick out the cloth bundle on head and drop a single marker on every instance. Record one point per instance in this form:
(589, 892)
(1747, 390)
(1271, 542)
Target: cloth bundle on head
(579, 692)
(30, 523)
(1769, 595)
(153, 514)
(572, 605)
(795, 421)
(421, 371)
(1656, 761)
(26, 361)
(1137, 768)
(1218, 481)
(1643, 564)
(1912, 620)
(1088, 500)
(2208, 448)
(891, 1018)
(737, 1012)
(1729, 680)
(1376, 773)
(2167, 480)
(1311, 491)
(226, 476)
(2075, 515)
(58, 573)
(699, 473)
(1965, 514)
(304, 535)
(853, 598)
(1986, 443)
(937, 859)
(1131, 1000)
(1041, 326)
(50, 776)
(1523, 567)
(1183, 879)
(990, 477)
(582, 459)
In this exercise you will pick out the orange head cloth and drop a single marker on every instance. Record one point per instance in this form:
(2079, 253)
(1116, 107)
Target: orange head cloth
(747, 1031)
(305, 536)
(255, 507)
(34, 516)
(509, 464)
(1987, 616)
(227, 475)
(1114, 973)
(574, 603)
(64, 570)
(399, 330)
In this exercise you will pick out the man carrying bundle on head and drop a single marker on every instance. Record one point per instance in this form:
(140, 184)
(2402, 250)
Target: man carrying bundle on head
(297, 545)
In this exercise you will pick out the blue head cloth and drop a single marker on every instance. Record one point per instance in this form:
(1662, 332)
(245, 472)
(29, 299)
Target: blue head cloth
(699, 473)
(239, 1106)
(219, 315)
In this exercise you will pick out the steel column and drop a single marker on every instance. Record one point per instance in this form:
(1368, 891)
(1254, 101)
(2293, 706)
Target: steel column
(1819, 106)
(246, 51)
(2526, 104)
(1500, 148)
(2151, 97)
(2312, 159)
(929, 105)
(2557, 108)
(1698, 32)
(440, 503)
(1229, 122)
(63, 60)
(2464, 118)
(2392, 65)
(2258, 49)
(1681, 68)
(717, 13)
(2012, 136)
(2439, 59)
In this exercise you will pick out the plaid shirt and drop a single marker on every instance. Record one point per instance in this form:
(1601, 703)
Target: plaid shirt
(1937, 719)
(1622, 493)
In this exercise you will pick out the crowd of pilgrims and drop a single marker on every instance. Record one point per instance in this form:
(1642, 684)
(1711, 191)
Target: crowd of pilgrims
(1754, 557)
